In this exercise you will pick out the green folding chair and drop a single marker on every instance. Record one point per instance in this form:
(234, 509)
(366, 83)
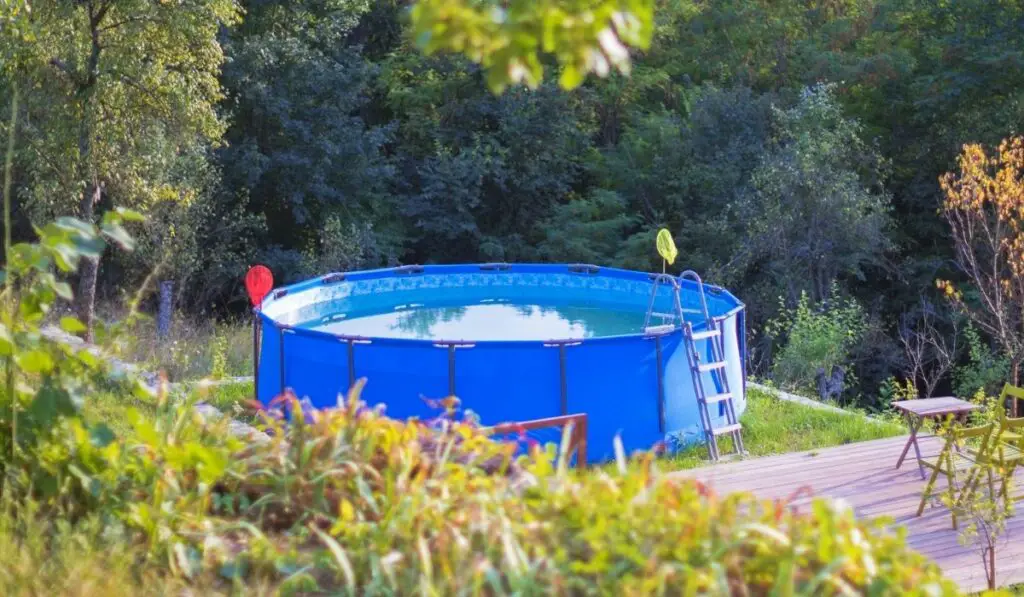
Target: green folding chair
(1001, 456)
(953, 461)
(1011, 394)
(1011, 397)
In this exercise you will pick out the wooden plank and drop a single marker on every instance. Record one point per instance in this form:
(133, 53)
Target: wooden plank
(935, 407)
(864, 475)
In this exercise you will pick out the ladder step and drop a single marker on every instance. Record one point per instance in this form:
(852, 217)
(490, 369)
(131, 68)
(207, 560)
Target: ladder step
(705, 335)
(727, 429)
(711, 366)
(716, 398)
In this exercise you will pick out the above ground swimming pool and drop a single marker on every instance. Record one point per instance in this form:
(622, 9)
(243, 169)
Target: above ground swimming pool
(513, 342)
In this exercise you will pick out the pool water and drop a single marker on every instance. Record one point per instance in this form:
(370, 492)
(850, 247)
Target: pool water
(488, 322)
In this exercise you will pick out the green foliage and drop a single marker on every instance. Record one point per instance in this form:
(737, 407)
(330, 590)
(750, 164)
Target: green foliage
(344, 248)
(47, 379)
(817, 336)
(816, 213)
(483, 171)
(115, 89)
(894, 390)
(297, 145)
(204, 241)
(586, 229)
(984, 372)
(348, 501)
(218, 357)
(192, 350)
(102, 109)
(509, 38)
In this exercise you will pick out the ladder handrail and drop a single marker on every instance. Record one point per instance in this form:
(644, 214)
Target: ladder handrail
(700, 290)
(677, 306)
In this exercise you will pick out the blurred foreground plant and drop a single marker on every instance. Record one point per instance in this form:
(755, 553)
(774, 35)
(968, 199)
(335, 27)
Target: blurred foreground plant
(509, 38)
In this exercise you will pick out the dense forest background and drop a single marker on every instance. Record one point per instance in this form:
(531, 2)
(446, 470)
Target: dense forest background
(794, 149)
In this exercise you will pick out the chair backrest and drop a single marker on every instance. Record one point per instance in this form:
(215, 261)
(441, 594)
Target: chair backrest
(1010, 391)
(982, 431)
(956, 436)
(1008, 426)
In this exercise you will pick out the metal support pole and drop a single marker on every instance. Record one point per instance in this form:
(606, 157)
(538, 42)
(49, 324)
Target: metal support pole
(581, 442)
(661, 385)
(256, 354)
(351, 362)
(281, 330)
(451, 369)
(564, 381)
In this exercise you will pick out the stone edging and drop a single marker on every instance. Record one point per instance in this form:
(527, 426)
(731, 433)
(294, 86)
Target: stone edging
(803, 400)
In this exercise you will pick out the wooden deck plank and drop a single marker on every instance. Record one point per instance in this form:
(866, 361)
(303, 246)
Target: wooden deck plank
(864, 475)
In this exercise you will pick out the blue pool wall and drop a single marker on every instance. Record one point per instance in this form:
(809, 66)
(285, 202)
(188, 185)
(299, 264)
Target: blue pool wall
(637, 385)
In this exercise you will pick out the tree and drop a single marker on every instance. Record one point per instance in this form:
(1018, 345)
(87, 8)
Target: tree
(480, 172)
(509, 38)
(931, 344)
(984, 206)
(817, 210)
(299, 145)
(114, 90)
(586, 229)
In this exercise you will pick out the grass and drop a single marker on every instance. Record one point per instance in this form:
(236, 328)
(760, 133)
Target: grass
(109, 407)
(774, 426)
(194, 350)
(89, 558)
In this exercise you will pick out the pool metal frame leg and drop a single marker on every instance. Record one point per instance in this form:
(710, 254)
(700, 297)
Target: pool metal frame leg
(451, 347)
(256, 353)
(661, 384)
(563, 371)
(280, 331)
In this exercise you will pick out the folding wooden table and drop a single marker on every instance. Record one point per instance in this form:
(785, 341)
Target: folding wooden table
(918, 411)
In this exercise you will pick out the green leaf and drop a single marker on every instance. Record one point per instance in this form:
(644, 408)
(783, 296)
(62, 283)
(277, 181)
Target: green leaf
(34, 361)
(6, 341)
(75, 225)
(63, 290)
(72, 325)
(571, 77)
(49, 404)
(119, 235)
(129, 215)
(101, 436)
(89, 246)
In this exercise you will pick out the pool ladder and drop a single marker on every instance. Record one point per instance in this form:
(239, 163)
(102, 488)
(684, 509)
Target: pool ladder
(716, 367)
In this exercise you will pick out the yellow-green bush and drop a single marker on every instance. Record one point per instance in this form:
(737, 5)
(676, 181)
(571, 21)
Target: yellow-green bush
(351, 501)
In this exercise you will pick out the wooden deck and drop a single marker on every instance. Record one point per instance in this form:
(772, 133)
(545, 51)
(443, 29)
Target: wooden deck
(864, 475)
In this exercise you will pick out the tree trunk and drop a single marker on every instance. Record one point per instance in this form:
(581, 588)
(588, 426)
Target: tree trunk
(990, 568)
(85, 298)
(163, 317)
(1016, 382)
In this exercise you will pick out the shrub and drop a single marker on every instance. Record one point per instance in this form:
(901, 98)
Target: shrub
(985, 371)
(350, 501)
(817, 337)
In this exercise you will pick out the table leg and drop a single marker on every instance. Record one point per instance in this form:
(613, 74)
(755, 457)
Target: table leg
(915, 425)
